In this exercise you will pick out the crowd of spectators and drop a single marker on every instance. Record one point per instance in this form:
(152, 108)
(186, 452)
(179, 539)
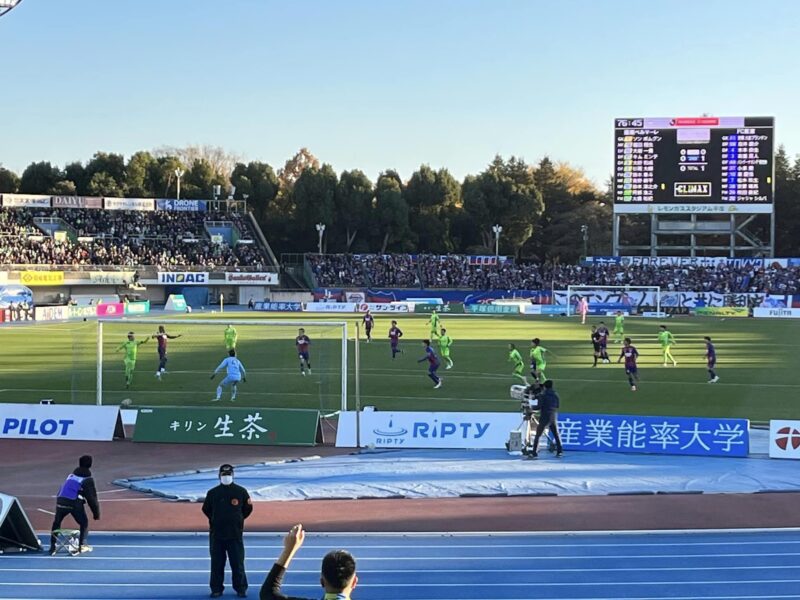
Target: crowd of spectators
(124, 238)
(454, 271)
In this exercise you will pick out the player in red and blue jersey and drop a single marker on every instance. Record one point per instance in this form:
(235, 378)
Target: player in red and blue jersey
(369, 323)
(630, 354)
(711, 358)
(162, 336)
(302, 342)
(433, 363)
(394, 339)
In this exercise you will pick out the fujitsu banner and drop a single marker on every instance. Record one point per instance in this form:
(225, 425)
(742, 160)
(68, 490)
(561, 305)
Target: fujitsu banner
(776, 313)
(251, 278)
(143, 204)
(26, 201)
(77, 202)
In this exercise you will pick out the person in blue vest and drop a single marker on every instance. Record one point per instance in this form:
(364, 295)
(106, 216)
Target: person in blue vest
(78, 489)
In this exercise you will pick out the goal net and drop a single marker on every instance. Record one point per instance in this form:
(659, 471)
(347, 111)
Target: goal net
(196, 347)
(633, 299)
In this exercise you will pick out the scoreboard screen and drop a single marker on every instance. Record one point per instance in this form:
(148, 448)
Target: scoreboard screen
(693, 165)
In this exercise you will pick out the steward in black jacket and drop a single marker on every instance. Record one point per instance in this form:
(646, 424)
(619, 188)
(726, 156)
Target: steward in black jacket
(227, 506)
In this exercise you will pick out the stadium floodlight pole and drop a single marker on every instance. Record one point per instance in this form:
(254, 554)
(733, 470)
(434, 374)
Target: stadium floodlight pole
(585, 232)
(321, 232)
(498, 229)
(178, 174)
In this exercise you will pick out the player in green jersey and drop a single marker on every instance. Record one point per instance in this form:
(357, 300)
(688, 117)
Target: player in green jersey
(230, 338)
(619, 327)
(131, 348)
(538, 361)
(434, 323)
(445, 341)
(515, 358)
(666, 339)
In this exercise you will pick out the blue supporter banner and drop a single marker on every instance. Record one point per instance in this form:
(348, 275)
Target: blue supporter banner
(279, 306)
(462, 296)
(655, 435)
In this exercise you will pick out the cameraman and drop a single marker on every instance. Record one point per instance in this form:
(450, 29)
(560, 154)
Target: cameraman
(548, 407)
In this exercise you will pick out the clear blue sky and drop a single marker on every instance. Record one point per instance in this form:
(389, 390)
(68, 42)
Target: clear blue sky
(376, 84)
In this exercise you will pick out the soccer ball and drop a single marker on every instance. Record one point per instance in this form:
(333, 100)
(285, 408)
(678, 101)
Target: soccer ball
(126, 402)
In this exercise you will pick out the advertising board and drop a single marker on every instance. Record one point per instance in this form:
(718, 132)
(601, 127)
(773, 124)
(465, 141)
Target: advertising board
(251, 278)
(60, 422)
(183, 277)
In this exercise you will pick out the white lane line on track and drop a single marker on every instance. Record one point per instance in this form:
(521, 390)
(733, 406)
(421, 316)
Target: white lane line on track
(49, 512)
(416, 571)
(448, 546)
(444, 585)
(448, 558)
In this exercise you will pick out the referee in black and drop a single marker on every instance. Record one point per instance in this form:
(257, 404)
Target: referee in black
(227, 506)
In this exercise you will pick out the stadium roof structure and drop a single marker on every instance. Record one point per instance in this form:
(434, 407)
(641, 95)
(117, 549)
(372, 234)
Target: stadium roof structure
(7, 5)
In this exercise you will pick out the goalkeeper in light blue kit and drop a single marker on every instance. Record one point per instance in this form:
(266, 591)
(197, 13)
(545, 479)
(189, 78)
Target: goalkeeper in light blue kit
(235, 373)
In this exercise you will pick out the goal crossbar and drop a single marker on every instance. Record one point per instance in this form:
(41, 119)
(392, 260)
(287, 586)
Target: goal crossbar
(188, 322)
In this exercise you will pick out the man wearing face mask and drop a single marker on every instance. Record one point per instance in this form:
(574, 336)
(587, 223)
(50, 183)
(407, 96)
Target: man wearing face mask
(227, 506)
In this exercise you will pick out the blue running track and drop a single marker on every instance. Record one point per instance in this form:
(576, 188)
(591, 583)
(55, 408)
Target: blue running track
(681, 565)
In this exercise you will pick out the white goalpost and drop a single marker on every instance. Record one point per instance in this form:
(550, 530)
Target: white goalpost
(261, 339)
(633, 295)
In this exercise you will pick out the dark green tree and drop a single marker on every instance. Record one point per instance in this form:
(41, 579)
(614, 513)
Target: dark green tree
(432, 198)
(313, 198)
(111, 164)
(391, 214)
(9, 181)
(259, 182)
(162, 175)
(65, 187)
(39, 178)
(787, 204)
(76, 173)
(138, 175)
(103, 184)
(505, 194)
(353, 202)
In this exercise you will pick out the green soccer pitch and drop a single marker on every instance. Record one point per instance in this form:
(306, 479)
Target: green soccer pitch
(758, 365)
